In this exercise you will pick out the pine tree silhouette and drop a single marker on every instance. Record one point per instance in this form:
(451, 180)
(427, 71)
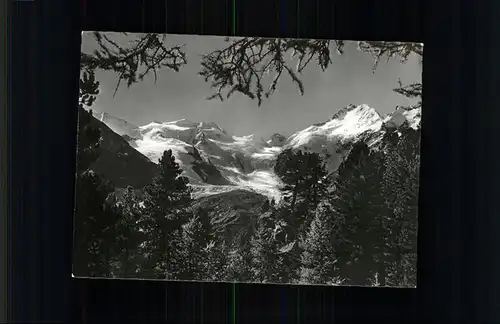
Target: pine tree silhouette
(240, 263)
(88, 141)
(400, 189)
(264, 252)
(93, 222)
(128, 239)
(167, 199)
(306, 184)
(197, 234)
(218, 259)
(319, 257)
(93, 227)
(286, 239)
(360, 206)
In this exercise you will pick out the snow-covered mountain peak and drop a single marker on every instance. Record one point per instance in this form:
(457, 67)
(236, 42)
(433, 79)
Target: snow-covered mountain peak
(362, 111)
(401, 115)
(184, 130)
(210, 157)
(181, 124)
(210, 125)
(358, 115)
(348, 123)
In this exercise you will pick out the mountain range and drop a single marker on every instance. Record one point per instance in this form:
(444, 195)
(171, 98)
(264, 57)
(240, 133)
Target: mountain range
(232, 176)
(215, 161)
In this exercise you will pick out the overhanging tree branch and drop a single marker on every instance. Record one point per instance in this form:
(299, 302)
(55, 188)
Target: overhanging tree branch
(88, 90)
(412, 91)
(403, 51)
(145, 55)
(243, 65)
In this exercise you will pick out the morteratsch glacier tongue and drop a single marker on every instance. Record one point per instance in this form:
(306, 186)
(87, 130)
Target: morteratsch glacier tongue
(244, 161)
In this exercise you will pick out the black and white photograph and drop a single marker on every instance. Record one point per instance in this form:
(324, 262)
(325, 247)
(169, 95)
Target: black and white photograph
(248, 160)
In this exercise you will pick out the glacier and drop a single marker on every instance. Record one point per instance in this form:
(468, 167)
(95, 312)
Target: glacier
(246, 162)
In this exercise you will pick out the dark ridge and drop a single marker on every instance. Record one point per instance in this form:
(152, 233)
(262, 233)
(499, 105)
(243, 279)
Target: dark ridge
(120, 163)
(209, 173)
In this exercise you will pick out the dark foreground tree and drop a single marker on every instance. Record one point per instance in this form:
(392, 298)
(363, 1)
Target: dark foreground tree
(264, 252)
(94, 227)
(400, 189)
(218, 259)
(274, 260)
(197, 234)
(319, 257)
(167, 199)
(360, 207)
(94, 218)
(240, 263)
(128, 235)
(88, 134)
(305, 184)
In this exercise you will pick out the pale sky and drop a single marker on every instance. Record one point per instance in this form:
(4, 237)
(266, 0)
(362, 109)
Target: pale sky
(178, 95)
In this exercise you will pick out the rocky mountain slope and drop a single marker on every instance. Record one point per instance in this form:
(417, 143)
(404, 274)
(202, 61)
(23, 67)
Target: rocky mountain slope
(119, 162)
(233, 212)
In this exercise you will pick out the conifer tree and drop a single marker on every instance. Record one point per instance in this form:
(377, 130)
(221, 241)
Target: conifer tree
(377, 219)
(390, 138)
(319, 255)
(360, 207)
(239, 268)
(305, 184)
(167, 199)
(400, 188)
(262, 253)
(218, 259)
(88, 141)
(290, 262)
(286, 239)
(267, 264)
(129, 236)
(93, 227)
(197, 235)
(93, 222)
